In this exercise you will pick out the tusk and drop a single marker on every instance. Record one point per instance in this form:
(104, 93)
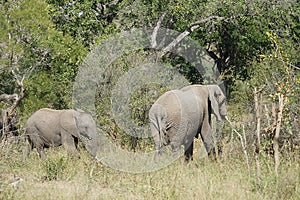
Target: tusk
(98, 159)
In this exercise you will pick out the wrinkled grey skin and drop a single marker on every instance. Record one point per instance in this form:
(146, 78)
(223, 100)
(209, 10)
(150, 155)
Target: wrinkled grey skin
(51, 128)
(180, 115)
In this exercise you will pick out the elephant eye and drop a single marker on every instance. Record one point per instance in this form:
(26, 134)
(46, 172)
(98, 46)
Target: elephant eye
(85, 133)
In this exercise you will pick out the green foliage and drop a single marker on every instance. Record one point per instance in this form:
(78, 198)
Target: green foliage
(84, 20)
(256, 44)
(51, 81)
(231, 43)
(139, 103)
(54, 168)
(275, 73)
(46, 41)
(35, 50)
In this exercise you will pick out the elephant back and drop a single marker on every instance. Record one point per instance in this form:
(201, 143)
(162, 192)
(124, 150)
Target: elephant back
(192, 108)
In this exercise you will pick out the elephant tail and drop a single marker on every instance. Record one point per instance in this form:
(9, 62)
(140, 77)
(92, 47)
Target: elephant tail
(28, 143)
(29, 136)
(157, 124)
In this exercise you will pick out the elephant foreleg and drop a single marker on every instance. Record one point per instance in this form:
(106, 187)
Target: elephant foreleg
(176, 149)
(207, 137)
(69, 143)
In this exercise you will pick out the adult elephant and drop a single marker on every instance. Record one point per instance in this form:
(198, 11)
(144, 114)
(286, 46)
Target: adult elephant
(50, 128)
(180, 115)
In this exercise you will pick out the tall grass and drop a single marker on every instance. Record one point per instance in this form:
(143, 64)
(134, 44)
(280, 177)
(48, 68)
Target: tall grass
(64, 177)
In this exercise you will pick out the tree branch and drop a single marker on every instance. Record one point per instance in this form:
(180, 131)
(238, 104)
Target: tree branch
(192, 27)
(8, 115)
(6, 97)
(154, 34)
(21, 95)
(196, 24)
(243, 142)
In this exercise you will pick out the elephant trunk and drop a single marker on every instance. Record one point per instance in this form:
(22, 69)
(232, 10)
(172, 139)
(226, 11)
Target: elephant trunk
(91, 144)
(95, 146)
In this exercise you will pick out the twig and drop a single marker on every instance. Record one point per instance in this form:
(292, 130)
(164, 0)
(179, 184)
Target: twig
(243, 143)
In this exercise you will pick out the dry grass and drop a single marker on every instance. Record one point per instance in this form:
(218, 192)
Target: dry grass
(62, 177)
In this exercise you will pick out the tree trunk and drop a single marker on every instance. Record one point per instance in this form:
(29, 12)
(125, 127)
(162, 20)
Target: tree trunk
(257, 145)
(277, 132)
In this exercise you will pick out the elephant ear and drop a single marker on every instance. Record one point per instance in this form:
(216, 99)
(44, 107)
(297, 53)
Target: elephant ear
(68, 122)
(215, 94)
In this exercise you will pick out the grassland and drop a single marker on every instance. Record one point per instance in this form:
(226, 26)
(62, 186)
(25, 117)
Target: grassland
(63, 177)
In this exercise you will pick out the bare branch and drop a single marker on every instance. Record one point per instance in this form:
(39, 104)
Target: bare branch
(243, 142)
(189, 30)
(21, 95)
(192, 27)
(154, 34)
(260, 89)
(175, 42)
(8, 115)
(291, 65)
(196, 24)
(19, 82)
(239, 16)
(6, 97)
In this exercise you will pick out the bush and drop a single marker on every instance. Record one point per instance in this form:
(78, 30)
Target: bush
(54, 168)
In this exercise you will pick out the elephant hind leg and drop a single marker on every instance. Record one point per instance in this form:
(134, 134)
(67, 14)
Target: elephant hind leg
(41, 152)
(188, 151)
(27, 147)
(39, 144)
(76, 141)
(34, 140)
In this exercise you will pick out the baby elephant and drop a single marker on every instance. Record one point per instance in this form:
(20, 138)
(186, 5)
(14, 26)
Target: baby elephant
(51, 128)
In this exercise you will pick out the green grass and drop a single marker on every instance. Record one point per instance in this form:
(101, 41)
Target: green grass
(64, 177)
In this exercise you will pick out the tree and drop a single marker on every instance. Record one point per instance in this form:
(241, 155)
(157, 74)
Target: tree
(16, 22)
(84, 20)
(36, 56)
(233, 32)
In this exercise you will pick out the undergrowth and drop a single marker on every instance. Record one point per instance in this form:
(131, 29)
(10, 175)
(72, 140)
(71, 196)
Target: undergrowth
(63, 177)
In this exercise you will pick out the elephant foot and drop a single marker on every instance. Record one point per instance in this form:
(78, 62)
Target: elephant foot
(188, 158)
(43, 155)
(74, 155)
